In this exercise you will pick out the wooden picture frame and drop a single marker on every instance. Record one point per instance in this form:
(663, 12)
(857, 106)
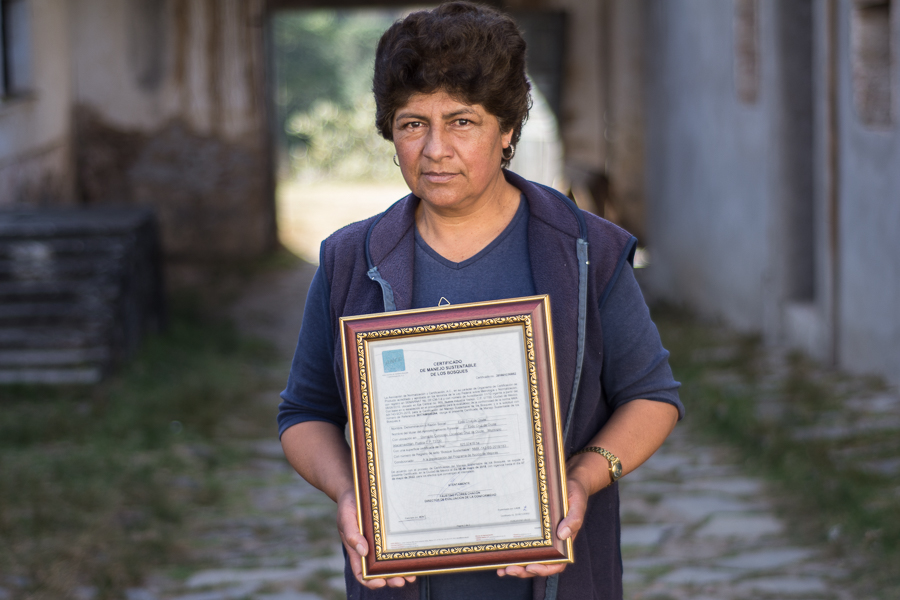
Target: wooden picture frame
(455, 436)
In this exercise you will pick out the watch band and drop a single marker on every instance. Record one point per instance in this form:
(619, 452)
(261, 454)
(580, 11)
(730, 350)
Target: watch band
(615, 465)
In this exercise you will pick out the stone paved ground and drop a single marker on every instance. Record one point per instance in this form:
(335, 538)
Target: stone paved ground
(275, 543)
(695, 526)
(275, 539)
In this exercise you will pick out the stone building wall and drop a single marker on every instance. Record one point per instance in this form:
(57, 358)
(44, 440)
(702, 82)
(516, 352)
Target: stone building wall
(867, 203)
(169, 110)
(707, 167)
(148, 102)
(772, 182)
(35, 158)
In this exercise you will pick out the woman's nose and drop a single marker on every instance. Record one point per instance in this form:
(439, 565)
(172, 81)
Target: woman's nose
(436, 144)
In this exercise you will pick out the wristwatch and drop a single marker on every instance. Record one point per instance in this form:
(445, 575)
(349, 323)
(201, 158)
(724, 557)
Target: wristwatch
(615, 465)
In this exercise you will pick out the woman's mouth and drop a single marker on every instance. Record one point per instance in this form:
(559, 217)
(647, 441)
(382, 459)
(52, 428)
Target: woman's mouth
(438, 177)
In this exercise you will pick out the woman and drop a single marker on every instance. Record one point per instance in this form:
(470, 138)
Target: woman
(452, 95)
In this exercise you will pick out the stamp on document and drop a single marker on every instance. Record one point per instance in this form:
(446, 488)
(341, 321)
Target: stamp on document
(393, 361)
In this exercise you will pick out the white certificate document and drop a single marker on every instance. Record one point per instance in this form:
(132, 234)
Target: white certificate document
(454, 438)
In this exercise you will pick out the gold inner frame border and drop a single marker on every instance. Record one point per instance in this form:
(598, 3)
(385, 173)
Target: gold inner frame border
(374, 484)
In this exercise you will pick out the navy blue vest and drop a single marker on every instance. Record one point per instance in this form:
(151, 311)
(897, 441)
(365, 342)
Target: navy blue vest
(575, 257)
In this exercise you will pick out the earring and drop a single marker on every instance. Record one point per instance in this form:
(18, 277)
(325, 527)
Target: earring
(512, 152)
(396, 162)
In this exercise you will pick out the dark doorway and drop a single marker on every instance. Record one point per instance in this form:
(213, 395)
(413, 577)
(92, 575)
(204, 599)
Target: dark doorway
(796, 54)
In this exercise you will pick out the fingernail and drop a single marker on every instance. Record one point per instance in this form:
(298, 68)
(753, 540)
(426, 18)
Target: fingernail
(564, 533)
(361, 549)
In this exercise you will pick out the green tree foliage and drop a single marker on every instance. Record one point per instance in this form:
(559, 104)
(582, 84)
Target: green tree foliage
(323, 72)
(340, 143)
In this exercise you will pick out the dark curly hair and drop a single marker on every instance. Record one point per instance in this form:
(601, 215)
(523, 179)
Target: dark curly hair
(474, 53)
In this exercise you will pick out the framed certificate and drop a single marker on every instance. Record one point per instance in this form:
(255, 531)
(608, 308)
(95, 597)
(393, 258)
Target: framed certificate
(455, 436)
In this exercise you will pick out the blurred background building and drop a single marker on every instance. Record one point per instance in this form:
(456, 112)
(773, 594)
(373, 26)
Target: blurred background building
(752, 145)
(151, 102)
(773, 170)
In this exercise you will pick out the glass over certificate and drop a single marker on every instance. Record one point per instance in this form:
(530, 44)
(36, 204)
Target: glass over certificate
(456, 437)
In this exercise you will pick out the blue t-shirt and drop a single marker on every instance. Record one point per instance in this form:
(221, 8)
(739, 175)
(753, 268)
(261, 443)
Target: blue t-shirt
(635, 365)
(500, 270)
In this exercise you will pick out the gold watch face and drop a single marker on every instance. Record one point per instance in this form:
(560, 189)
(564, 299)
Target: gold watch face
(616, 470)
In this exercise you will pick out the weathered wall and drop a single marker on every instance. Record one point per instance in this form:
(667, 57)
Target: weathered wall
(169, 112)
(35, 160)
(869, 213)
(774, 204)
(707, 164)
(731, 149)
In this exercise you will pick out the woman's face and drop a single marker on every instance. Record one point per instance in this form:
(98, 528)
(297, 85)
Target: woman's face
(449, 152)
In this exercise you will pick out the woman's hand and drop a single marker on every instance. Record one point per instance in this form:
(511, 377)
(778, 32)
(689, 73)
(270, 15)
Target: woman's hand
(634, 432)
(577, 498)
(356, 544)
(568, 528)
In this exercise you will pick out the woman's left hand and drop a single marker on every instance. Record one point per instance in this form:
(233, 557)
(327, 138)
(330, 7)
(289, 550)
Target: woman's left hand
(568, 528)
(634, 432)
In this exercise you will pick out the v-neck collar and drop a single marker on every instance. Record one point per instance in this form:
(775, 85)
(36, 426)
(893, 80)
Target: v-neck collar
(521, 212)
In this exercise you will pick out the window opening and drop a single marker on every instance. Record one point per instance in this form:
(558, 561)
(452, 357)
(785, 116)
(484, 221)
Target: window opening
(15, 47)
(870, 33)
(746, 50)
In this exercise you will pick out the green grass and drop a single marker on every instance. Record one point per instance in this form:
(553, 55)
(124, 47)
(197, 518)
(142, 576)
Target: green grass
(318, 584)
(827, 500)
(96, 482)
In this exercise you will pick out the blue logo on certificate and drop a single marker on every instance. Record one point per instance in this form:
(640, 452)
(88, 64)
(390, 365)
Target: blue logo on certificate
(393, 361)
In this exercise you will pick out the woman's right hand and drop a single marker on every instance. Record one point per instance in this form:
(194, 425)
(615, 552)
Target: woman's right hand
(356, 544)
